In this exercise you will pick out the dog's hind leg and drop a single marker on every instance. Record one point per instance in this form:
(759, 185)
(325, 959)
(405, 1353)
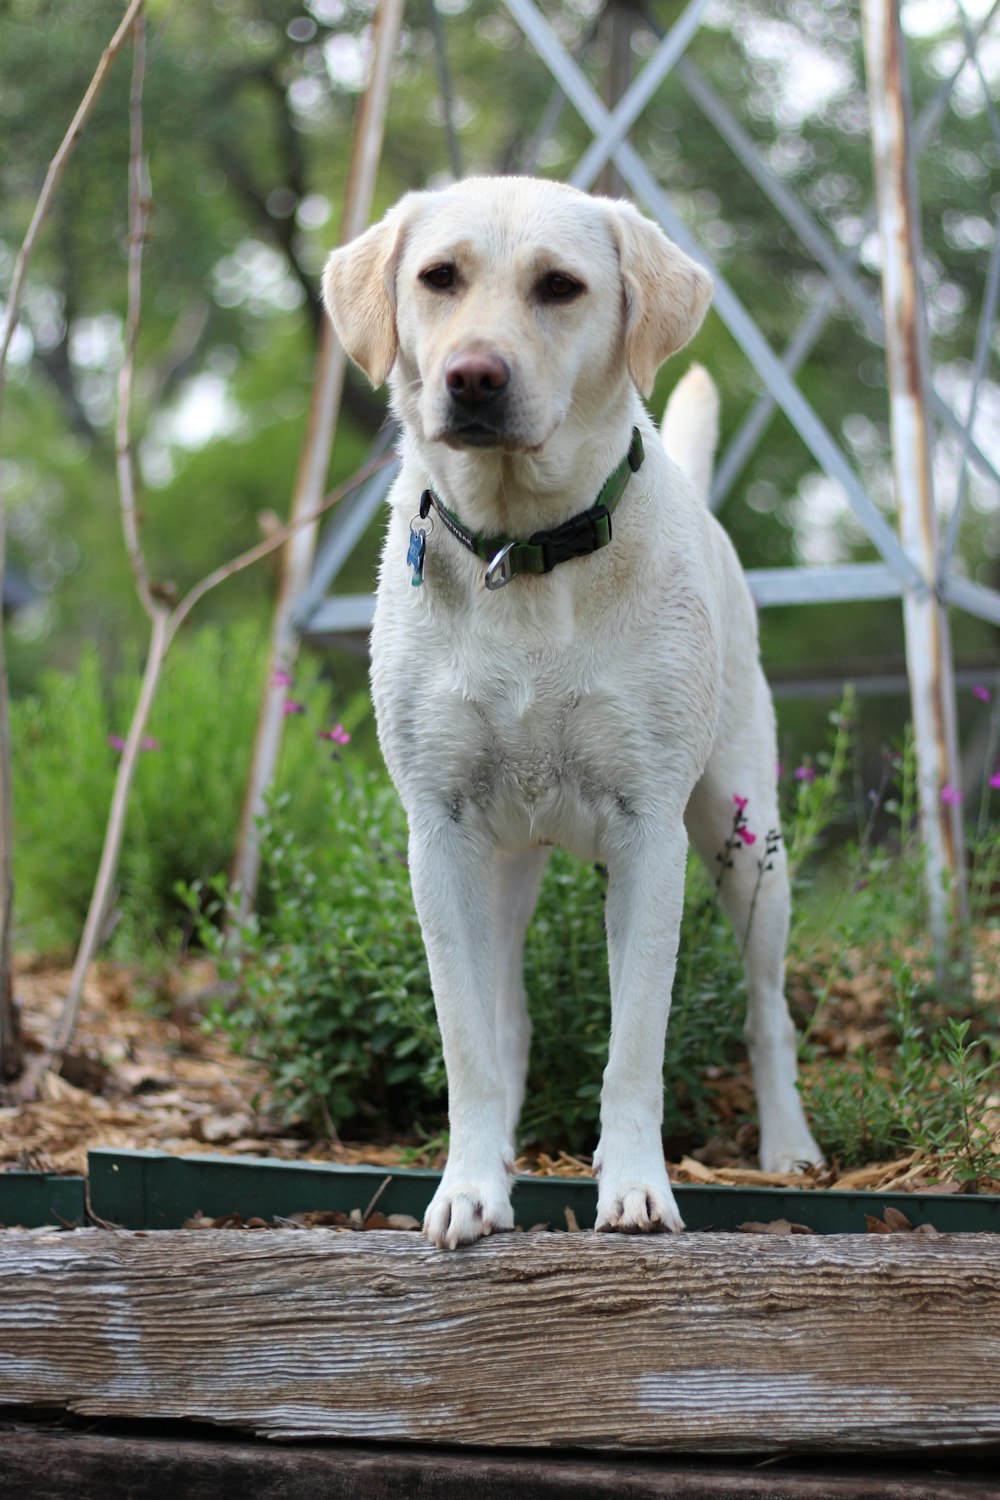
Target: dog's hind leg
(754, 894)
(516, 879)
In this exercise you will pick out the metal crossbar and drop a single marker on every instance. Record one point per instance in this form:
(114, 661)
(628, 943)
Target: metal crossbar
(735, 316)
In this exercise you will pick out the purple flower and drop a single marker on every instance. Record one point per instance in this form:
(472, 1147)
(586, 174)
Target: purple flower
(281, 678)
(338, 734)
(950, 795)
(291, 707)
(995, 779)
(739, 802)
(149, 743)
(746, 836)
(981, 692)
(805, 773)
(116, 742)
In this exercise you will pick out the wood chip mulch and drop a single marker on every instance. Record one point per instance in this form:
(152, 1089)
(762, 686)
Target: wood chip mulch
(141, 1078)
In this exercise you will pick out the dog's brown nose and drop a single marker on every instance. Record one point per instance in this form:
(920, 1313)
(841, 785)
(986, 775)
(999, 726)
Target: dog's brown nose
(474, 377)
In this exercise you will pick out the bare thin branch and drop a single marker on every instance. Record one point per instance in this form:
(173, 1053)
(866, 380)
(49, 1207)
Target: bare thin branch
(10, 1044)
(164, 621)
(11, 1048)
(53, 177)
(114, 833)
(165, 625)
(138, 215)
(273, 542)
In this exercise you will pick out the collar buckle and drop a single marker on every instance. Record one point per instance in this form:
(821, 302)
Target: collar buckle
(500, 570)
(578, 537)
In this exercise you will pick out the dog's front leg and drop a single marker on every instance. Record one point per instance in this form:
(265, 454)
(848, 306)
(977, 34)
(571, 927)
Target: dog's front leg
(645, 898)
(450, 868)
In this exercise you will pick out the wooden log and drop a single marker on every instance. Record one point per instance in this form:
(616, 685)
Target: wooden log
(699, 1342)
(53, 1463)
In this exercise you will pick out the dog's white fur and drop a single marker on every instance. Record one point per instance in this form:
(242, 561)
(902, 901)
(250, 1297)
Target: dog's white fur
(612, 706)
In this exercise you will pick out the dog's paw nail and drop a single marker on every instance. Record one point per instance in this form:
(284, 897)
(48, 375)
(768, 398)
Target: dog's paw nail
(640, 1210)
(455, 1219)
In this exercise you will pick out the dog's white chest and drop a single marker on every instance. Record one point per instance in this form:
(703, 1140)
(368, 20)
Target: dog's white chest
(540, 771)
(544, 749)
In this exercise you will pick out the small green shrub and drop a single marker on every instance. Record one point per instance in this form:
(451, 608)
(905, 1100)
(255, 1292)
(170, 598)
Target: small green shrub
(332, 982)
(929, 1095)
(334, 993)
(188, 789)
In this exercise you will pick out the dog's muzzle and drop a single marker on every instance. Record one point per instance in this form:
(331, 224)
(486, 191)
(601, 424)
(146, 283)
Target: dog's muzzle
(477, 383)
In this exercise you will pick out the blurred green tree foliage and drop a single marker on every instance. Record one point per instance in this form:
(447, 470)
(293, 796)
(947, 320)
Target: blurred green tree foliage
(249, 109)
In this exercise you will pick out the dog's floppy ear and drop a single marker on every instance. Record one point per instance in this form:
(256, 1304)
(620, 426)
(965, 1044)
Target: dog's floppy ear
(359, 290)
(666, 294)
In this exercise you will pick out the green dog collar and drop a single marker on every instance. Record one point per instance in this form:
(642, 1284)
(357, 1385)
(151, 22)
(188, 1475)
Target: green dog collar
(507, 556)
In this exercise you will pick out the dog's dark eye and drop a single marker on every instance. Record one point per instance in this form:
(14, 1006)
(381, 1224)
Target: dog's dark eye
(556, 287)
(441, 278)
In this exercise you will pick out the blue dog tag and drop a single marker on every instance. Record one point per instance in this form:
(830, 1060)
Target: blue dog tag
(415, 556)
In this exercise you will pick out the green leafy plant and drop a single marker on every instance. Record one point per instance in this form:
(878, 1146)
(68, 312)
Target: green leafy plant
(188, 790)
(331, 980)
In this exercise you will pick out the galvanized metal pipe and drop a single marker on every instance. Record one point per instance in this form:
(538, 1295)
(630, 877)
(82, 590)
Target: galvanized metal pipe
(628, 109)
(928, 646)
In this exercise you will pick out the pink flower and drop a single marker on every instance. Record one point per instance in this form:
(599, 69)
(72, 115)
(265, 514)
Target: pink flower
(746, 836)
(291, 707)
(281, 678)
(950, 795)
(805, 773)
(338, 734)
(995, 779)
(148, 743)
(739, 802)
(982, 693)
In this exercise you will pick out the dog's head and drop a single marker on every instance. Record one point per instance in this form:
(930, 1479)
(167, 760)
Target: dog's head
(503, 305)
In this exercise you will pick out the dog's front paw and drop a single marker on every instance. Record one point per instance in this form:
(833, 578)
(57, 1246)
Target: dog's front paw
(635, 1195)
(462, 1211)
(638, 1208)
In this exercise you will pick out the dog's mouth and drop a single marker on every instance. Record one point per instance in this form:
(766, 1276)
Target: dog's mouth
(481, 435)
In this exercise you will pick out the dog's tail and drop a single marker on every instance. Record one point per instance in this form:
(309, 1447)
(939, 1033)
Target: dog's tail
(690, 428)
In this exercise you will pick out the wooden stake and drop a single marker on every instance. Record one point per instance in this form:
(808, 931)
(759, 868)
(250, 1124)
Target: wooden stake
(928, 645)
(10, 1041)
(314, 463)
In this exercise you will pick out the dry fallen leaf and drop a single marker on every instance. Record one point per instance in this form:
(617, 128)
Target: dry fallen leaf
(895, 1222)
(403, 1221)
(775, 1226)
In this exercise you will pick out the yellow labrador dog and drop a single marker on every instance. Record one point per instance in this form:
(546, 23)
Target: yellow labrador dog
(564, 652)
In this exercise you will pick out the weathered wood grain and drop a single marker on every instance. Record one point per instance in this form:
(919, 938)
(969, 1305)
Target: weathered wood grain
(52, 1464)
(716, 1343)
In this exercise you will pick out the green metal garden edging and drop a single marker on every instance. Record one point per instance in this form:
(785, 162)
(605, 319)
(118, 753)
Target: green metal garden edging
(154, 1190)
(31, 1199)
